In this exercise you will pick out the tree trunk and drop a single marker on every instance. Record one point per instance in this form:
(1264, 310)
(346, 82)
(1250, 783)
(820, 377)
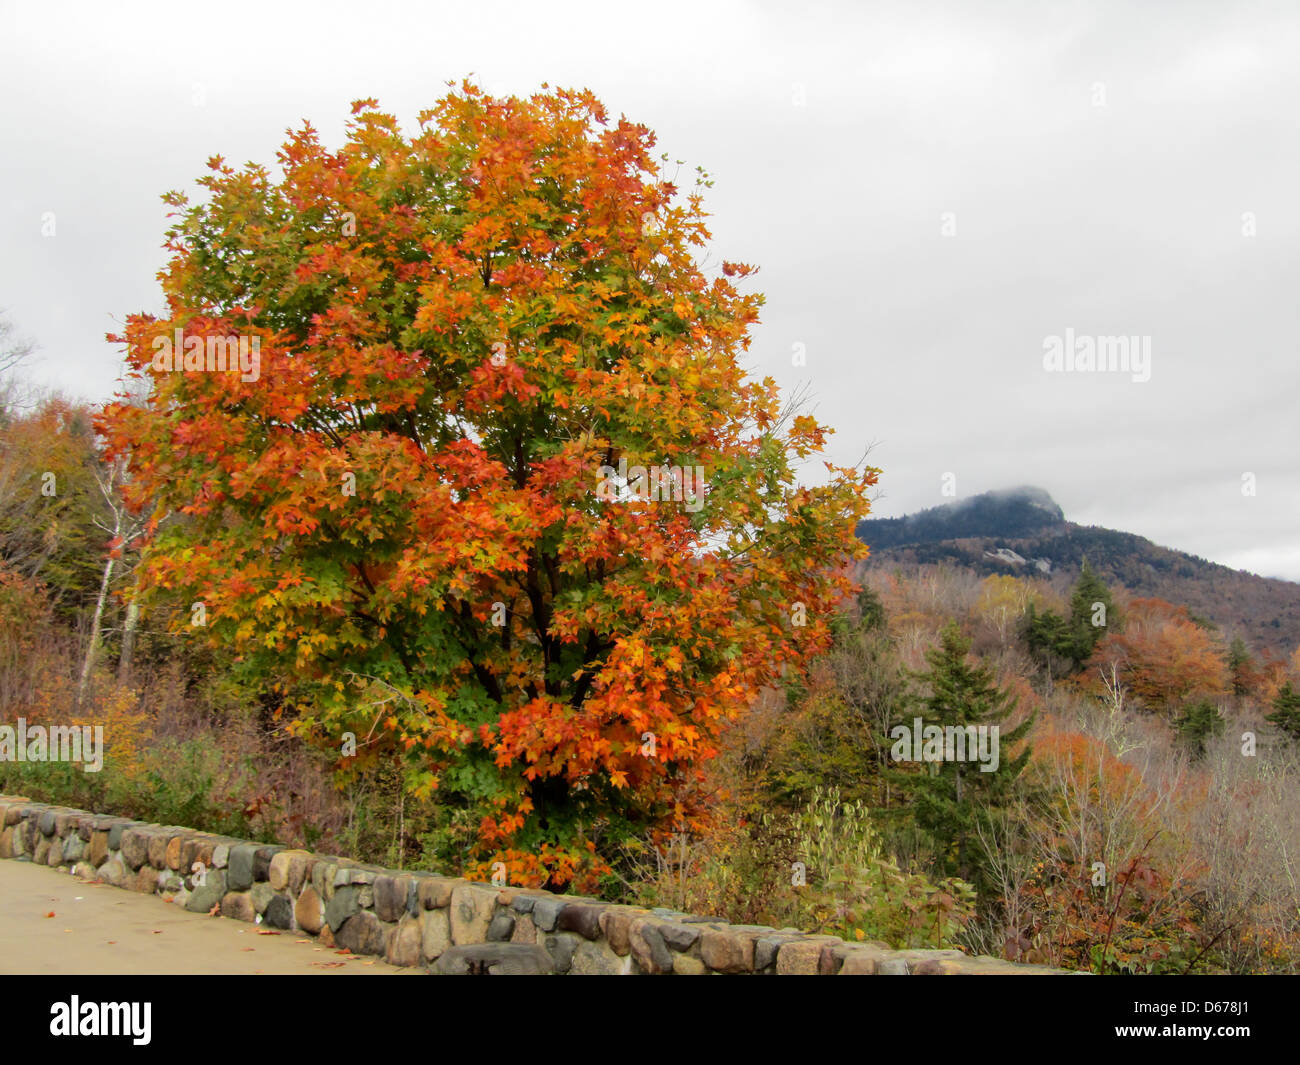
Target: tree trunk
(96, 625)
(129, 626)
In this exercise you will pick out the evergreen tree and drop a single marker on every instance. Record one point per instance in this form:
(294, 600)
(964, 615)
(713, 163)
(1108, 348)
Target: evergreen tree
(1048, 638)
(1286, 712)
(871, 611)
(1091, 612)
(1199, 721)
(951, 799)
(1065, 644)
(1239, 666)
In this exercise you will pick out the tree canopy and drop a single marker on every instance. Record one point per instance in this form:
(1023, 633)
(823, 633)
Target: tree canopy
(405, 510)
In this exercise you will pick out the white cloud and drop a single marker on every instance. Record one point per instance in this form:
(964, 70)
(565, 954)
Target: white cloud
(1120, 218)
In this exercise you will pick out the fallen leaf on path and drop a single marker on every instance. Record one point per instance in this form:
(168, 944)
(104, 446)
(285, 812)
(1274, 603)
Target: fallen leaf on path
(263, 932)
(50, 914)
(329, 964)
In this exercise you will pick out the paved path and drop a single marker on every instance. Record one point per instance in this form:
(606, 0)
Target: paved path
(96, 929)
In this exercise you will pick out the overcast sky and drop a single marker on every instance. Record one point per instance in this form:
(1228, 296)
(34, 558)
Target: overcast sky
(932, 192)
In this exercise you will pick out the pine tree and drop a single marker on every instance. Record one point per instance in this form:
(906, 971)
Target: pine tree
(1091, 611)
(951, 799)
(1069, 642)
(871, 611)
(1240, 667)
(1286, 712)
(1048, 638)
(1199, 721)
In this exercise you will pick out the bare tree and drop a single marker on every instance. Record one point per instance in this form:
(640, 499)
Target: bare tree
(1009, 853)
(1247, 832)
(137, 392)
(122, 527)
(13, 348)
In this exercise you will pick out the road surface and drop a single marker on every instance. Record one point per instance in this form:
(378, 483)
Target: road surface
(52, 923)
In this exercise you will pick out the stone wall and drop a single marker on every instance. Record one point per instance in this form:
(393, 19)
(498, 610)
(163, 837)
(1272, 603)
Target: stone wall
(445, 924)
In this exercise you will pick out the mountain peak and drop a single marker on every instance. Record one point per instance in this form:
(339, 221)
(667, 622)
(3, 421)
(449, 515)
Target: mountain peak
(1025, 510)
(1023, 532)
(1026, 493)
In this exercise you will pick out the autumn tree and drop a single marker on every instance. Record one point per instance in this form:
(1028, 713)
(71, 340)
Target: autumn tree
(834, 732)
(26, 623)
(495, 496)
(49, 501)
(1091, 858)
(1164, 658)
(1003, 602)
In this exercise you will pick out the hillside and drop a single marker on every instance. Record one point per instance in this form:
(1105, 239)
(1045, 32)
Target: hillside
(1023, 531)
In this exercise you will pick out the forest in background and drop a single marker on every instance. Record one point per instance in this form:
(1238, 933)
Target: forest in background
(984, 532)
(1145, 817)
